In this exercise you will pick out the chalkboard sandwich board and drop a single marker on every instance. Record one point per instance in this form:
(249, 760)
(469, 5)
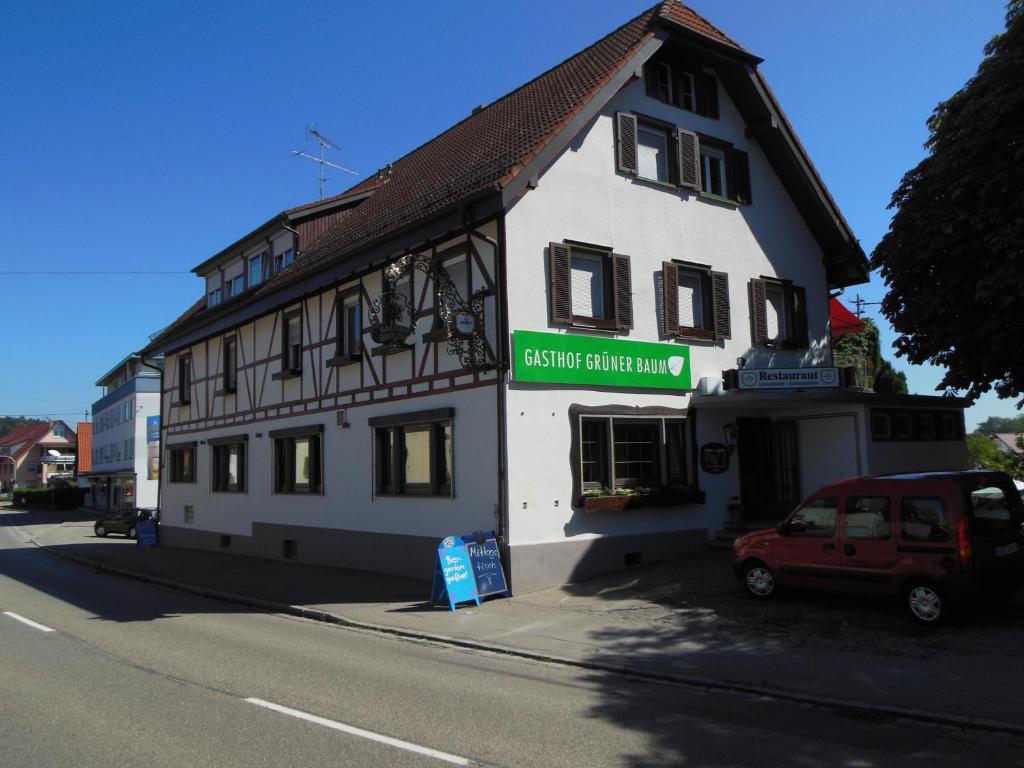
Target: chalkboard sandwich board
(468, 568)
(146, 537)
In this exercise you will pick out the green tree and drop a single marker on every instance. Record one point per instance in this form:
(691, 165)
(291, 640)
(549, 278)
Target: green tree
(982, 453)
(994, 424)
(953, 258)
(863, 352)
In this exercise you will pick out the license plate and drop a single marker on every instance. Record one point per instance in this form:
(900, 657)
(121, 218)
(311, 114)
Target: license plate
(1007, 549)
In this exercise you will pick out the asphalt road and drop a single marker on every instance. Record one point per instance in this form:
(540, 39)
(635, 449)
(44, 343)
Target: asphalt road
(97, 670)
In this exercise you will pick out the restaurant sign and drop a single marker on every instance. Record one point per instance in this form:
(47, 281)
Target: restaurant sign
(788, 378)
(598, 361)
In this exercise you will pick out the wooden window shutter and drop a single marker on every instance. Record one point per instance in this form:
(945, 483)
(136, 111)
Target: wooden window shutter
(740, 177)
(626, 140)
(561, 295)
(758, 319)
(707, 95)
(670, 298)
(720, 305)
(623, 288)
(688, 148)
(799, 307)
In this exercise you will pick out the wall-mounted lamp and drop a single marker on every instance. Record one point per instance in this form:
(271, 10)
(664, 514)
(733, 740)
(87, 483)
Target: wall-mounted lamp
(740, 362)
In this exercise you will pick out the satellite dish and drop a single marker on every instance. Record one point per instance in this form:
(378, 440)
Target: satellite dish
(52, 452)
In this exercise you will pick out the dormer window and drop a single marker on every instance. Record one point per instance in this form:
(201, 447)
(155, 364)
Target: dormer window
(213, 298)
(283, 260)
(235, 285)
(661, 86)
(258, 269)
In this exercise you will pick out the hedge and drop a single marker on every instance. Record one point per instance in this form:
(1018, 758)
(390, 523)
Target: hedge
(49, 498)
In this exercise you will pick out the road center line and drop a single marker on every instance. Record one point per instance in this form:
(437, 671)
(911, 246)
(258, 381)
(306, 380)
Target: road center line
(351, 729)
(31, 623)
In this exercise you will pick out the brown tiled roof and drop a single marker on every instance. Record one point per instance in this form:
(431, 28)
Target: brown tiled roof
(484, 151)
(29, 434)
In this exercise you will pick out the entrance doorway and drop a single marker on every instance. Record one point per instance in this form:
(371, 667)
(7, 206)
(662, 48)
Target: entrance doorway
(768, 467)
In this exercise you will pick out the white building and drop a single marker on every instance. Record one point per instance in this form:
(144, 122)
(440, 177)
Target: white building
(545, 303)
(126, 432)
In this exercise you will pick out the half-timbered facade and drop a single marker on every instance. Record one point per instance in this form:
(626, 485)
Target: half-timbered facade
(544, 322)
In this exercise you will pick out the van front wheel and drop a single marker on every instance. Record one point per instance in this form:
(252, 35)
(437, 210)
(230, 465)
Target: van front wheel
(926, 602)
(758, 580)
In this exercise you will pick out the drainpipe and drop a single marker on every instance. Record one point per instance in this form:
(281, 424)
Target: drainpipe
(501, 369)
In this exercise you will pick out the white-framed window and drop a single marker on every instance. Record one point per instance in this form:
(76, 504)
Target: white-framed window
(213, 298)
(775, 312)
(662, 86)
(589, 283)
(687, 91)
(283, 260)
(652, 153)
(712, 170)
(258, 269)
(235, 285)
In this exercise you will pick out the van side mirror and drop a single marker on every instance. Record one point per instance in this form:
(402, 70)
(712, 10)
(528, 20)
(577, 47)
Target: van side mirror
(783, 529)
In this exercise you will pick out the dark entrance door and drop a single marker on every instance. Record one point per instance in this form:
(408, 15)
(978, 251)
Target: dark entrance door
(769, 475)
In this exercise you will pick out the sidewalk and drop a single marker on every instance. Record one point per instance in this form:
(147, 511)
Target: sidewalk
(687, 621)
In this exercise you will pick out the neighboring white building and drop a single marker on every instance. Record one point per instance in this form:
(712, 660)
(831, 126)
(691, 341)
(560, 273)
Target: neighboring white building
(616, 276)
(126, 431)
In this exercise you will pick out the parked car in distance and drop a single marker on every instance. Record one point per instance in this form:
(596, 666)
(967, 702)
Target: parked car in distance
(932, 539)
(125, 521)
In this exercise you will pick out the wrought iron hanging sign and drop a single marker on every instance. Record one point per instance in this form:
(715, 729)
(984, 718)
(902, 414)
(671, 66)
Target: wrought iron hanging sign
(392, 314)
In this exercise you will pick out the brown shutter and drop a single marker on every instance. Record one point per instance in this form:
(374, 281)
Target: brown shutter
(688, 147)
(623, 288)
(707, 95)
(799, 307)
(670, 298)
(740, 176)
(626, 141)
(720, 305)
(758, 320)
(561, 297)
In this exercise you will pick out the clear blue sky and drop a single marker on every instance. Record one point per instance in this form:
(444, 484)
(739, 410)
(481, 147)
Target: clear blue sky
(148, 136)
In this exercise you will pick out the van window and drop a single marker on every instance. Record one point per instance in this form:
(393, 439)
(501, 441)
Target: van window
(817, 518)
(924, 520)
(991, 511)
(867, 517)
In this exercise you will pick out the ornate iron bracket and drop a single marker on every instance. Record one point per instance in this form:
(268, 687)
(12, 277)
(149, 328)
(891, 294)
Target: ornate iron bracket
(392, 314)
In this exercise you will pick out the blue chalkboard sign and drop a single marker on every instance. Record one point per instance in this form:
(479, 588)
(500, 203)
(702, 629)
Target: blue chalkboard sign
(468, 568)
(487, 571)
(145, 534)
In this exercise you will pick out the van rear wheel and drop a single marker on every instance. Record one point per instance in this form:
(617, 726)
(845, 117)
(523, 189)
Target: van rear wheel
(926, 602)
(758, 580)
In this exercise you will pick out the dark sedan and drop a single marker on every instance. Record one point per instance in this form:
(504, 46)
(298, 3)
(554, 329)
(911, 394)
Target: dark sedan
(125, 521)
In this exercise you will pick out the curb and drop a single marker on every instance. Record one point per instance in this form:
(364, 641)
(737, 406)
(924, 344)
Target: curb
(859, 709)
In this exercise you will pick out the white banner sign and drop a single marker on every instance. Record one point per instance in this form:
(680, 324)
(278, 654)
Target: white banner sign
(788, 378)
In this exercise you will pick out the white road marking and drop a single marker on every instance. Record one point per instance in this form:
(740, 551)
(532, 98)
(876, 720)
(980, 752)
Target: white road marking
(351, 729)
(31, 623)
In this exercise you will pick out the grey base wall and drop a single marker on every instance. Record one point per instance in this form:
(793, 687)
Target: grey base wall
(538, 566)
(376, 552)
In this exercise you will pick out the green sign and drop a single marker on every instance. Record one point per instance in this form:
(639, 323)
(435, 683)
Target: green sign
(561, 358)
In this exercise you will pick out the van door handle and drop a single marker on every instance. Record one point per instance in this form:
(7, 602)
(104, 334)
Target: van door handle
(849, 550)
(828, 549)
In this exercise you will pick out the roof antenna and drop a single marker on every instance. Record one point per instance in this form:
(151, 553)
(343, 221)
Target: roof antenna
(325, 143)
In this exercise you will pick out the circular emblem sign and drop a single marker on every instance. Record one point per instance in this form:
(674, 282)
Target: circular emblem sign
(465, 323)
(449, 542)
(828, 376)
(748, 378)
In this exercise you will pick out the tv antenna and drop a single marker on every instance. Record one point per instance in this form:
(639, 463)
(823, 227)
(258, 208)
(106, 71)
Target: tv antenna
(325, 143)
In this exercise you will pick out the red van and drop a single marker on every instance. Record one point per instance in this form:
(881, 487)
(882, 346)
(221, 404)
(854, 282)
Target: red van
(930, 539)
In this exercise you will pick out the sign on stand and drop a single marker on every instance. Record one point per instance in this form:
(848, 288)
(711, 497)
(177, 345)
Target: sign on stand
(468, 568)
(145, 531)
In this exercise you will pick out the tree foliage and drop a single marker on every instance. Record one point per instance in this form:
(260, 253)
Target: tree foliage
(7, 423)
(863, 351)
(994, 424)
(982, 453)
(953, 258)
